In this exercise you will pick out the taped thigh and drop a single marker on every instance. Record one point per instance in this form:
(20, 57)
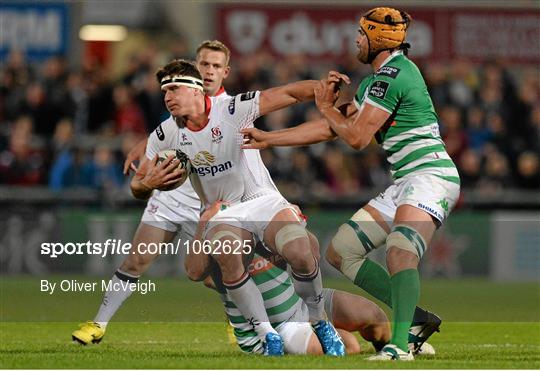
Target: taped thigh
(288, 233)
(353, 242)
(358, 236)
(406, 238)
(220, 234)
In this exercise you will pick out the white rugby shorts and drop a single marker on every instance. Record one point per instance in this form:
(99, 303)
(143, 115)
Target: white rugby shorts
(165, 213)
(253, 215)
(426, 192)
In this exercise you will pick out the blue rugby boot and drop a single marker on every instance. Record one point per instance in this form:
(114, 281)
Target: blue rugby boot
(329, 338)
(273, 345)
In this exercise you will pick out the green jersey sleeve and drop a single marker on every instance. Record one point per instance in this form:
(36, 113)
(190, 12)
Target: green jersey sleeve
(385, 93)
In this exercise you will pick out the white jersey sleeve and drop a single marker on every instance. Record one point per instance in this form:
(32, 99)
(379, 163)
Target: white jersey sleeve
(161, 138)
(244, 109)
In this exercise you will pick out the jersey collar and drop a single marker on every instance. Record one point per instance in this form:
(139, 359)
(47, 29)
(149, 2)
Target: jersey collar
(207, 108)
(389, 58)
(220, 91)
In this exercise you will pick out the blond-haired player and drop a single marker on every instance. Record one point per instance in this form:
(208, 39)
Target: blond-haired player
(167, 213)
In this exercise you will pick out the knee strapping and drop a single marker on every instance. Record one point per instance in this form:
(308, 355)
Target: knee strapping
(353, 242)
(289, 233)
(359, 235)
(406, 238)
(220, 234)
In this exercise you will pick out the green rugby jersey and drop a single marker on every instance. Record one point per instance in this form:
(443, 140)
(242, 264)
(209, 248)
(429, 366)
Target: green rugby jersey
(280, 300)
(411, 136)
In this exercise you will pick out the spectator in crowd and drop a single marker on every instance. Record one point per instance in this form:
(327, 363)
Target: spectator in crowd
(102, 171)
(21, 163)
(68, 170)
(373, 175)
(477, 132)
(490, 120)
(528, 171)
(340, 176)
(128, 116)
(470, 169)
(496, 175)
(453, 134)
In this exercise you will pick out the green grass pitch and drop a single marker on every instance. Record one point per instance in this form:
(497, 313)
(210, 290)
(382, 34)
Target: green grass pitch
(181, 325)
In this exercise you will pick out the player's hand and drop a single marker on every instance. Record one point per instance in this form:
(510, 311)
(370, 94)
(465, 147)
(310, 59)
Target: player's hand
(135, 154)
(213, 210)
(327, 91)
(255, 138)
(338, 78)
(161, 175)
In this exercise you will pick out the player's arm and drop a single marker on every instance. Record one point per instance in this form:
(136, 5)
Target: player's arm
(356, 130)
(198, 265)
(135, 154)
(302, 135)
(310, 132)
(274, 99)
(153, 175)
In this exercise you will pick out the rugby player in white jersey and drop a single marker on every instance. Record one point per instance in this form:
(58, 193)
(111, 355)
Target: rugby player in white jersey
(208, 131)
(168, 213)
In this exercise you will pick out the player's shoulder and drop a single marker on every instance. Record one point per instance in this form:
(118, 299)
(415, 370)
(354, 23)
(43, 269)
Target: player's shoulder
(165, 129)
(235, 105)
(399, 68)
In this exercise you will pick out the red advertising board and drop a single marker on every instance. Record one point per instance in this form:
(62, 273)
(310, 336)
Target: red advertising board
(328, 33)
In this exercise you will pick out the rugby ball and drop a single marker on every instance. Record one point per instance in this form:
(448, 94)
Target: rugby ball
(184, 163)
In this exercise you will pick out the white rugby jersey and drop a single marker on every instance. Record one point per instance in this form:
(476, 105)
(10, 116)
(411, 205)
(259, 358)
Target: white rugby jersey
(226, 172)
(185, 194)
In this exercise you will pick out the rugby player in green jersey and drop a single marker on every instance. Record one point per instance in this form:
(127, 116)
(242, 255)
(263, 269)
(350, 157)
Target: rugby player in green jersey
(393, 106)
(286, 311)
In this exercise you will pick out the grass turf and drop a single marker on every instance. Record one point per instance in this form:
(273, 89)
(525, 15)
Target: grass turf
(486, 325)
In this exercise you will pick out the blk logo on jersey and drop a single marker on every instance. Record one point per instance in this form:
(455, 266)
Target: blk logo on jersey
(159, 133)
(204, 164)
(185, 141)
(389, 71)
(379, 89)
(216, 135)
(247, 96)
(232, 105)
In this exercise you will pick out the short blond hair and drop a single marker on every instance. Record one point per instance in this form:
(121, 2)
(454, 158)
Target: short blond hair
(217, 46)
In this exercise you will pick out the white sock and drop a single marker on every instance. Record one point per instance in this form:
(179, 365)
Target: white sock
(248, 299)
(309, 287)
(114, 297)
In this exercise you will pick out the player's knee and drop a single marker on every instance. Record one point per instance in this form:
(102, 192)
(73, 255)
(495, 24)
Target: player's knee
(136, 264)
(378, 326)
(404, 237)
(231, 265)
(195, 274)
(314, 244)
(353, 241)
(299, 256)
(359, 235)
(292, 242)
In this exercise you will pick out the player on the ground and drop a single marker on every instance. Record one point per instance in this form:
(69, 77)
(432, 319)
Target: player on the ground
(168, 213)
(394, 106)
(207, 130)
(287, 312)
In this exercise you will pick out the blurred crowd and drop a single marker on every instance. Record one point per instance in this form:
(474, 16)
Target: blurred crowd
(67, 127)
